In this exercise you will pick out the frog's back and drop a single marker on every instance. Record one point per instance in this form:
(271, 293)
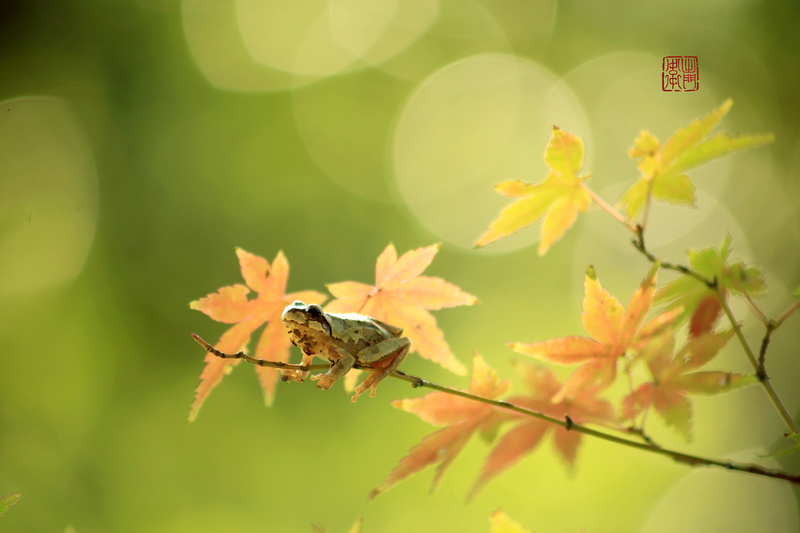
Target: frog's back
(393, 330)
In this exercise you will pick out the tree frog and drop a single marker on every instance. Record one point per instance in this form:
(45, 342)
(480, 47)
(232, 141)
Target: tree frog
(344, 340)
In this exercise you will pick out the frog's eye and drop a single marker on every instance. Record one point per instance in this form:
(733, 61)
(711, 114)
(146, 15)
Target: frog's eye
(314, 312)
(298, 303)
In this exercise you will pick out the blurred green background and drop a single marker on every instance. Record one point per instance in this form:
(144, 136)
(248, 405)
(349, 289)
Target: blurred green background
(142, 141)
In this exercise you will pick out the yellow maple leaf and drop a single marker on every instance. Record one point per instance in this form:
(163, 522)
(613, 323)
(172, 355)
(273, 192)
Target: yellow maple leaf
(662, 168)
(559, 198)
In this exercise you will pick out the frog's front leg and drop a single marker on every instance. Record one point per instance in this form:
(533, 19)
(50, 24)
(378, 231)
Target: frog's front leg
(384, 358)
(297, 375)
(342, 365)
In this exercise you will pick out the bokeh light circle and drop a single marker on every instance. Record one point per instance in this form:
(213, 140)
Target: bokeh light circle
(474, 123)
(346, 123)
(48, 195)
(325, 37)
(269, 45)
(212, 34)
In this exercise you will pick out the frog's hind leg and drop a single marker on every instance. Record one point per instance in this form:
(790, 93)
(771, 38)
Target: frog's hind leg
(382, 368)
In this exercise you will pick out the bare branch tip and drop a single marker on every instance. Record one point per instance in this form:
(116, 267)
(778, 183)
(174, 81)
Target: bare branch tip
(199, 340)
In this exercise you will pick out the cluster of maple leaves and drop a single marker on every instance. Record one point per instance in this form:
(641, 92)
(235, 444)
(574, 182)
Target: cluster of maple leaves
(401, 296)
(619, 337)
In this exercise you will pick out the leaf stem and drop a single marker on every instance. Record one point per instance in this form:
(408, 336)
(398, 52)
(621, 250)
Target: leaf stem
(630, 387)
(648, 201)
(608, 209)
(566, 422)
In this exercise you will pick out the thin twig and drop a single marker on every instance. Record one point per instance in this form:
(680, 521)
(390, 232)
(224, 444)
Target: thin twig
(638, 243)
(608, 209)
(763, 379)
(642, 435)
(770, 326)
(755, 309)
(254, 360)
(787, 314)
(762, 353)
(566, 422)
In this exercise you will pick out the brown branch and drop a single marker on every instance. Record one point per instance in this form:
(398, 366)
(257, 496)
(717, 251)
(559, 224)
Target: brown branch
(638, 243)
(566, 422)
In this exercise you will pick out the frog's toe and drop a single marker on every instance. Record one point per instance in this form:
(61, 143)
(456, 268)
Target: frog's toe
(324, 381)
(292, 375)
(359, 391)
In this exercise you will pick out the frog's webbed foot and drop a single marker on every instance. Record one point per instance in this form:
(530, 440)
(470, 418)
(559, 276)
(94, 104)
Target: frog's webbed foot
(367, 384)
(324, 381)
(379, 374)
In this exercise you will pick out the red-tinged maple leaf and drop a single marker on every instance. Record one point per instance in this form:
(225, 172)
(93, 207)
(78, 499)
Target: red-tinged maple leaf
(674, 379)
(544, 397)
(461, 416)
(402, 297)
(231, 305)
(662, 168)
(613, 331)
(705, 316)
(559, 198)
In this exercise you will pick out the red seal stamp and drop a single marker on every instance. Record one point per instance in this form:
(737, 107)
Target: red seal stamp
(680, 74)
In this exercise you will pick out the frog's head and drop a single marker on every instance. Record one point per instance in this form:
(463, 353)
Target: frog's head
(300, 315)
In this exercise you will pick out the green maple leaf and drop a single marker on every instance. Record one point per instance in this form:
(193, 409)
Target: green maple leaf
(6, 502)
(689, 292)
(558, 199)
(663, 168)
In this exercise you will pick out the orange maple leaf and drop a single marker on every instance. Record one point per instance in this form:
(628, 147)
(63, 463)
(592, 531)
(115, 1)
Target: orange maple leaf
(402, 297)
(613, 330)
(673, 379)
(544, 388)
(462, 418)
(231, 306)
